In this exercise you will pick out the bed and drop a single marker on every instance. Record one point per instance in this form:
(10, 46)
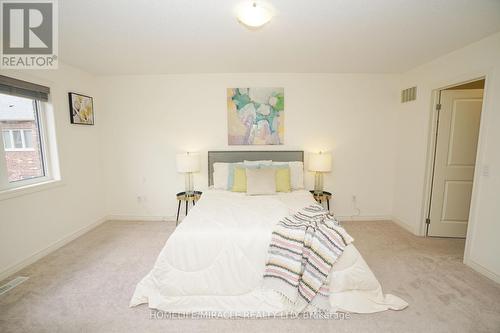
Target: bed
(215, 259)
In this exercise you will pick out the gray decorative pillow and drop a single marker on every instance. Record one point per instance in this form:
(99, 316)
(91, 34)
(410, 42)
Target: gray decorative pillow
(261, 181)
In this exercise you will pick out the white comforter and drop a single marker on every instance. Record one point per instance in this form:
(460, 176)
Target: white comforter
(214, 261)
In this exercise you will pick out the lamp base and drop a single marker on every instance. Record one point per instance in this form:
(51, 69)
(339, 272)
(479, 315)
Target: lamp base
(318, 183)
(189, 190)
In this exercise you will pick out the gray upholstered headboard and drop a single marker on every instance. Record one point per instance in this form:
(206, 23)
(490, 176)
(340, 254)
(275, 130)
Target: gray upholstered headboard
(233, 156)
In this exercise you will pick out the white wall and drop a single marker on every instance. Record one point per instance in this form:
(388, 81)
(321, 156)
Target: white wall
(413, 123)
(32, 223)
(151, 118)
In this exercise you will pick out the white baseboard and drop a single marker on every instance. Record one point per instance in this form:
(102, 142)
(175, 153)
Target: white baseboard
(172, 218)
(51, 248)
(482, 270)
(139, 218)
(405, 226)
(363, 218)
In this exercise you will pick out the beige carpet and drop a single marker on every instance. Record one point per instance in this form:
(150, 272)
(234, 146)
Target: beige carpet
(86, 286)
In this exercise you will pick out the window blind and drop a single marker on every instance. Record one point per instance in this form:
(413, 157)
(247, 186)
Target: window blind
(15, 87)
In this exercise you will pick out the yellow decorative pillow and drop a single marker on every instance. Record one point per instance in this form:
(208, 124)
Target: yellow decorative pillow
(283, 180)
(240, 180)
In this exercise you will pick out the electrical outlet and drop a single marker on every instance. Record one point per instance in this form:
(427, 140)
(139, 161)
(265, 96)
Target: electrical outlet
(355, 205)
(486, 170)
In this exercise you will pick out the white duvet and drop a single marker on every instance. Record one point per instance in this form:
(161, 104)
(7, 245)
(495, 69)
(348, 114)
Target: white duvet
(215, 259)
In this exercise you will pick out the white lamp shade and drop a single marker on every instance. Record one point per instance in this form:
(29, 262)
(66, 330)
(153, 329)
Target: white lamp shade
(188, 162)
(320, 162)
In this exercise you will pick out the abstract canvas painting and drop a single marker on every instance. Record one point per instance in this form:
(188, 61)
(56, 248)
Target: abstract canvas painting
(255, 116)
(81, 109)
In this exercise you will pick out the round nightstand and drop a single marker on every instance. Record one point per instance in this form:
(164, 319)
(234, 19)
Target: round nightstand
(324, 196)
(182, 196)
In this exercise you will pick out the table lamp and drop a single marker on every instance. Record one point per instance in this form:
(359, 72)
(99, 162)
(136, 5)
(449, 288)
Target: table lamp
(188, 163)
(319, 163)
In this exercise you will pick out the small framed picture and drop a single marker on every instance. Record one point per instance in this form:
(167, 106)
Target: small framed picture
(81, 109)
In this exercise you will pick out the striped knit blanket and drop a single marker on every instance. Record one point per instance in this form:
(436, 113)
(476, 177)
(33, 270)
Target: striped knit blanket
(303, 249)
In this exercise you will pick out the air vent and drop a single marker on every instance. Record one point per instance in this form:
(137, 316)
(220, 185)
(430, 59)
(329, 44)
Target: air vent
(409, 95)
(12, 284)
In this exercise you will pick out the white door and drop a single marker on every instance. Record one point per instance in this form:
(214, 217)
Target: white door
(458, 132)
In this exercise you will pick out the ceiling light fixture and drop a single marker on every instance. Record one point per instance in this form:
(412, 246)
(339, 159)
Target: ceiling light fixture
(254, 14)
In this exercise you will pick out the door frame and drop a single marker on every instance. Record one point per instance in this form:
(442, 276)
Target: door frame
(429, 168)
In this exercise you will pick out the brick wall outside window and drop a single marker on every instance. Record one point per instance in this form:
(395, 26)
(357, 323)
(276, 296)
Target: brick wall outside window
(23, 164)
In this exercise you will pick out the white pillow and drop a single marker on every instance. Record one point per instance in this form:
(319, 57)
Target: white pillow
(261, 181)
(221, 175)
(296, 173)
(257, 163)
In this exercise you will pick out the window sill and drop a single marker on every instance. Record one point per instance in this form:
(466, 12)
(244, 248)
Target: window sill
(28, 189)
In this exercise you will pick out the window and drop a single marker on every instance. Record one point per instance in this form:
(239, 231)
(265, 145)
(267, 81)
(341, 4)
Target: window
(25, 154)
(18, 140)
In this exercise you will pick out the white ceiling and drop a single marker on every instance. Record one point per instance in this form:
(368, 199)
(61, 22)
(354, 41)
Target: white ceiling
(189, 36)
